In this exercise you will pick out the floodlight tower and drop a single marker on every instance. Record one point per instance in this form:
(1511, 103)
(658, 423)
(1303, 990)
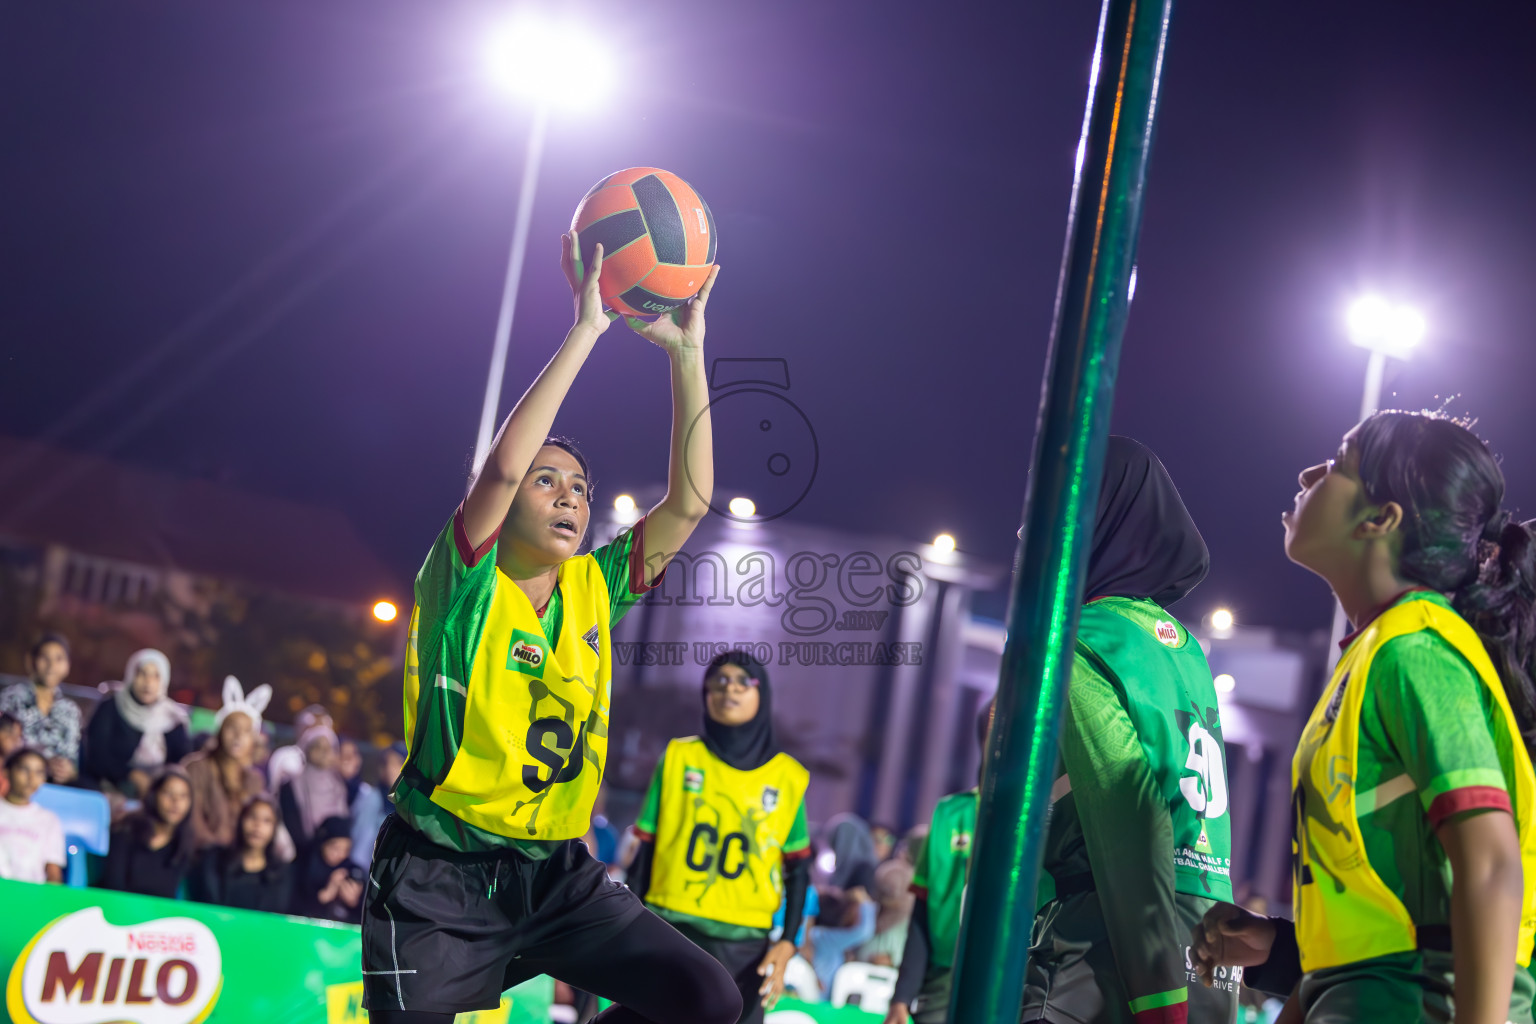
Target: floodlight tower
(553, 65)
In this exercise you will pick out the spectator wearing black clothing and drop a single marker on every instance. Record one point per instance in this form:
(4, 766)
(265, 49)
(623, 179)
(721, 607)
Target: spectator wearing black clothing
(137, 730)
(327, 885)
(150, 851)
(247, 874)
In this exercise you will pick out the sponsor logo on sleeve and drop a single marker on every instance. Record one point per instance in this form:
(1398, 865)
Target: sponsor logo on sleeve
(693, 780)
(82, 970)
(1167, 633)
(960, 841)
(770, 798)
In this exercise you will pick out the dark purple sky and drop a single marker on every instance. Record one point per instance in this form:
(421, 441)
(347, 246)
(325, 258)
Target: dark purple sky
(307, 205)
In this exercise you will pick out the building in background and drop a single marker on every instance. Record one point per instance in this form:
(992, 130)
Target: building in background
(225, 582)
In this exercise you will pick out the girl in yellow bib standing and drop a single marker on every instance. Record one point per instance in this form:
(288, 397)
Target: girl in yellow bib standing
(480, 880)
(723, 834)
(1415, 800)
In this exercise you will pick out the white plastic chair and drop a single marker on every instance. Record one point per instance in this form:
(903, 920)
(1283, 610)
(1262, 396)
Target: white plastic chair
(864, 985)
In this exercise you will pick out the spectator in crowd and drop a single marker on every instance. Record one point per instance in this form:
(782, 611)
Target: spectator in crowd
(847, 922)
(136, 732)
(852, 847)
(150, 851)
(31, 837)
(317, 792)
(10, 742)
(50, 722)
(286, 762)
(894, 900)
(349, 762)
(327, 885)
(884, 838)
(222, 776)
(373, 804)
(261, 756)
(247, 873)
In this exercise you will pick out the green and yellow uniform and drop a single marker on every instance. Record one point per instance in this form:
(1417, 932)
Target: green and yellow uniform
(1139, 841)
(721, 838)
(1413, 730)
(506, 706)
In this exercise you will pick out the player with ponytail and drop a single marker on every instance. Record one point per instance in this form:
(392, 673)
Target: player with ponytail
(1413, 790)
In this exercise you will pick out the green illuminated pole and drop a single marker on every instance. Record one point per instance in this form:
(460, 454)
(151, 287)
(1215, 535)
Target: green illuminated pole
(1070, 437)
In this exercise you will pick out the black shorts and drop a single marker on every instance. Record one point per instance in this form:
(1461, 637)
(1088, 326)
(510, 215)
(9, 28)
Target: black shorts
(448, 932)
(740, 958)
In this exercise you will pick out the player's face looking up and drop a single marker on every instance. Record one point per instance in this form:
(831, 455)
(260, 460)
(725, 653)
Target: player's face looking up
(1322, 530)
(550, 511)
(732, 696)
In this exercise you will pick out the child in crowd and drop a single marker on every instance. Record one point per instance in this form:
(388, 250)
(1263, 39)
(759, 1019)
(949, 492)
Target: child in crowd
(222, 777)
(10, 741)
(329, 886)
(315, 793)
(31, 838)
(50, 722)
(150, 850)
(247, 873)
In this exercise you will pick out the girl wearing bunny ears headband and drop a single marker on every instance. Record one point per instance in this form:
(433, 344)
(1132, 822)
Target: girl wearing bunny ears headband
(237, 700)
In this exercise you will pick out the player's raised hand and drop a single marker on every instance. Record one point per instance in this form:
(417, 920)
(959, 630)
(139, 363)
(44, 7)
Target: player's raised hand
(683, 328)
(1230, 936)
(583, 282)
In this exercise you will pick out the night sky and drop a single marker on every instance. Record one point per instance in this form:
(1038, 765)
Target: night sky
(266, 242)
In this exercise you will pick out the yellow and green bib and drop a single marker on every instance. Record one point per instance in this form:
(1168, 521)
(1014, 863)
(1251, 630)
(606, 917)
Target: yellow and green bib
(720, 835)
(532, 722)
(1344, 911)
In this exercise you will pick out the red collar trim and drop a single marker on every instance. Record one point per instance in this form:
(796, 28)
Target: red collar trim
(1376, 613)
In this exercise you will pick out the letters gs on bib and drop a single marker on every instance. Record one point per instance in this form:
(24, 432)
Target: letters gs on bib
(550, 741)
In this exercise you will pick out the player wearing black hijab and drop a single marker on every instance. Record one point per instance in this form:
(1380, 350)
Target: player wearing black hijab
(723, 834)
(1139, 842)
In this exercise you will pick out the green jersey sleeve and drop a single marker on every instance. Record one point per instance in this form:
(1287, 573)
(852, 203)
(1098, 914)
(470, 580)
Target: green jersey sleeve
(453, 569)
(1128, 832)
(646, 822)
(799, 840)
(622, 561)
(1435, 712)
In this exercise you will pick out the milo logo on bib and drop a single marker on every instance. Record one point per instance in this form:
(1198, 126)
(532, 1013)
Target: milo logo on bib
(1167, 633)
(526, 654)
(82, 970)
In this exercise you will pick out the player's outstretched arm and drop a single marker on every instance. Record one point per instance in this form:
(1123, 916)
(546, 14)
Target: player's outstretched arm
(691, 470)
(523, 433)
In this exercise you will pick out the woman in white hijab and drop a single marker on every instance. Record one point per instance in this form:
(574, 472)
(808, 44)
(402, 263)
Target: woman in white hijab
(136, 730)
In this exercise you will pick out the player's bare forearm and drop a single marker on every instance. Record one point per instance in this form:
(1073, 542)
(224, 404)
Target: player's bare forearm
(522, 435)
(691, 469)
(1486, 894)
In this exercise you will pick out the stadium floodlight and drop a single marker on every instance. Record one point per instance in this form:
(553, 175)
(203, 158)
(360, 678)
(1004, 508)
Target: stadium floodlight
(1225, 683)
(556, 65)
(1386, 328)
(743, 508)
(624, 504)
(550, 61)
(1222, 620)
(944, 542)
(385, 611)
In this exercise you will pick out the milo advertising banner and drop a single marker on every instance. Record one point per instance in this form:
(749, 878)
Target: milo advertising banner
(89, 956)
